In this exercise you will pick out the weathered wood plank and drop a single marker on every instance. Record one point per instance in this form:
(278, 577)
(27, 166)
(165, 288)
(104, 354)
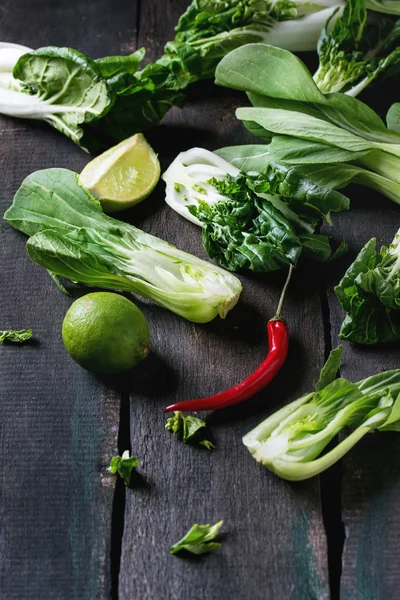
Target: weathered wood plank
(274, 544)
(371, 475)
(59, 424)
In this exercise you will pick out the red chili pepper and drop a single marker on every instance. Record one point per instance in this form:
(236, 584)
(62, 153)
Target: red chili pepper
(278, 342)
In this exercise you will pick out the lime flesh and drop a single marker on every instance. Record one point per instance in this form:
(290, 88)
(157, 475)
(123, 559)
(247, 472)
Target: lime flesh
(122, 176)
(106, 333)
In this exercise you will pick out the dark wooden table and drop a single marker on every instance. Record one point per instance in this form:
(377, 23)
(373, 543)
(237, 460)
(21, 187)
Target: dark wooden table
(68, 529)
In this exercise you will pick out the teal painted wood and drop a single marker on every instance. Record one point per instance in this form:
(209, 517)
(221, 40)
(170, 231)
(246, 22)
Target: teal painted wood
(274, 542)
(370, 472)
(59, 424)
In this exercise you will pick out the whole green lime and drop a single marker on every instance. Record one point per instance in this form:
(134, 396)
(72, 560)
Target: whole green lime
(106, 333)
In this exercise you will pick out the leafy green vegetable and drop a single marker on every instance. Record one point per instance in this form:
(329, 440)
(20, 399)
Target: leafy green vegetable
(14, 335)
(72, 237)
(61, 86)
(306, 126)
(187, 427)
(290, 441)
(260, 222)
(357, 50)
(98, 103)
(199, 539)
(123, 466)
(369, 292)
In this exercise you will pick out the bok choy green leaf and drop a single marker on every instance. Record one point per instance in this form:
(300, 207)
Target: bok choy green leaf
(369, 292)
(291, 441)
(260, 222)
(73, 238)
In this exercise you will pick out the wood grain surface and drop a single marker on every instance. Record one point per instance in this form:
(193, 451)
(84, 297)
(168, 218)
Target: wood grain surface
(67, 531)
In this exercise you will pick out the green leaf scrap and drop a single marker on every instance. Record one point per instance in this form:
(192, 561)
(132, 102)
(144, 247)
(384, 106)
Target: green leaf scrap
(199, 539)
(14, 335)
(123, 466)
(187, 427)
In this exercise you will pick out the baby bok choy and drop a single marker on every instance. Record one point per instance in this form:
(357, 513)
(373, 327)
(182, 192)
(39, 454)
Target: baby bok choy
(73, 238)
(369, 292)
(303, 126)
(290, 442)
(359, 48)
(260, 222)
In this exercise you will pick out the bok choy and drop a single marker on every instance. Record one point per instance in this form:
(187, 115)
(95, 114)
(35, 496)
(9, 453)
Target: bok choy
(358, 48)
(369, 292)
(260, 222)
(73, 238)
(302, 126)
(100, 102)
(290, 442)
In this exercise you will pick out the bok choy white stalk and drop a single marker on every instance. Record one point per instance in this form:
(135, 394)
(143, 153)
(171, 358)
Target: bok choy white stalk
(291, 441)
(73, 238)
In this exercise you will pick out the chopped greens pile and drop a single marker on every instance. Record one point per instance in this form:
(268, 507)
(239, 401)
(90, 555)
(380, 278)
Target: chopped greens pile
(261, 222)
(199, 539)
(72, 237)
(370, 294)
(291, 440)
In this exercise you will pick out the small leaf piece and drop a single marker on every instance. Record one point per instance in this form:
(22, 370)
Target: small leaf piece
(186, 426)
(207, 444)
(123, 466)
(58, 282)
(13, 335)
(198, 539)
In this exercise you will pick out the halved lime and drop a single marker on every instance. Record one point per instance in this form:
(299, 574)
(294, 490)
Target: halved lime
(123, 175)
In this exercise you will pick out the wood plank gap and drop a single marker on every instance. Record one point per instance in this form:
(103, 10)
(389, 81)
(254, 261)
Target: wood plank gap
(137, 28)
(331, 488)
(119, 501)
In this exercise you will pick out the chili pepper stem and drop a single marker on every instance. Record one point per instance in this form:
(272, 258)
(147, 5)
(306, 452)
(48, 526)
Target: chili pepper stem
(277, 316)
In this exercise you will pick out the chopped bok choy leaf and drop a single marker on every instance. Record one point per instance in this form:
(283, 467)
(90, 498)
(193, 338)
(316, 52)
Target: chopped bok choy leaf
(199, 539)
